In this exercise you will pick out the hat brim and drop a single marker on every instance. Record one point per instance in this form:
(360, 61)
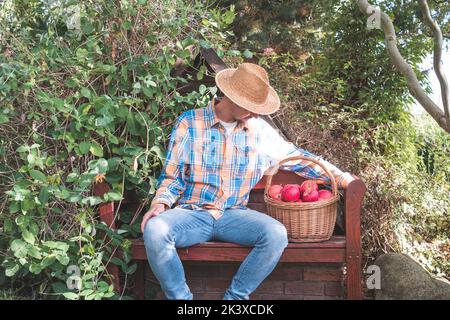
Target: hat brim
(271, 105)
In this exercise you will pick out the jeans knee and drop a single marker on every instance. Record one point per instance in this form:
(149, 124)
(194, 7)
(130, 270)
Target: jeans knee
(156, 231)
(276, 235)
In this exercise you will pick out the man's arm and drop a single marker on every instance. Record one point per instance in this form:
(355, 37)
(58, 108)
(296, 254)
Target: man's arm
(277, 149)
(171, 183)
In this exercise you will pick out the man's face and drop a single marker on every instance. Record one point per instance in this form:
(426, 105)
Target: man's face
(241, 114)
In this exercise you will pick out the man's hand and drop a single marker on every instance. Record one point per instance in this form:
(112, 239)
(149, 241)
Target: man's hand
(155, 209)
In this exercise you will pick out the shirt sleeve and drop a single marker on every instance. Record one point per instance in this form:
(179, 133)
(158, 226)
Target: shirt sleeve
(171, 183)
(276, 148)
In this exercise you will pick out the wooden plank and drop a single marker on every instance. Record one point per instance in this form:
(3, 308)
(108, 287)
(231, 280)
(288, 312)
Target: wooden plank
(260, 207)
(213, 60)
(353, 197)
(139, 281)
(328, 251)
(106, 211)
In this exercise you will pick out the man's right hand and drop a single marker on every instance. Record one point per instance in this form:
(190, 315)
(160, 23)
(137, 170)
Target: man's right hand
(155, 209)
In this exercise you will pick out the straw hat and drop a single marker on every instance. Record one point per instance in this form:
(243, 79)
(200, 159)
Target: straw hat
(248, 86)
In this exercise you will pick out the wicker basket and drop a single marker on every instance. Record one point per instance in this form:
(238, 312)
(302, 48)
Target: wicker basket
(305, 221)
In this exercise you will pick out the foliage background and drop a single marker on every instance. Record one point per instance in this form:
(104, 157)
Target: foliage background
(87, 94)
(91, 99)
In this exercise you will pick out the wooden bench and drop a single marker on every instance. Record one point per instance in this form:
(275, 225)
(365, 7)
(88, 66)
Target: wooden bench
(343, 249)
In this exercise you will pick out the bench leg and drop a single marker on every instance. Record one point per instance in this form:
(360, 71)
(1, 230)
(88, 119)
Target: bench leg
(354, 288)
(353, 199)
(139, 281)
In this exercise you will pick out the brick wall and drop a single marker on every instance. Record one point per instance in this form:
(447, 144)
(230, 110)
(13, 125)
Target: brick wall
(208, 281)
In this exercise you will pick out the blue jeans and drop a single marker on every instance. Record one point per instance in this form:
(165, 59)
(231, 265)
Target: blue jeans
(178, 228)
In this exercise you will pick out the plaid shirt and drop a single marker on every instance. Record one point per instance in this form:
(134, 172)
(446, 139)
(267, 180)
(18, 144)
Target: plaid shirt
(207, 169)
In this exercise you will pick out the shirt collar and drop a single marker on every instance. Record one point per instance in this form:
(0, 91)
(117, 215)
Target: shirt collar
(212, 119)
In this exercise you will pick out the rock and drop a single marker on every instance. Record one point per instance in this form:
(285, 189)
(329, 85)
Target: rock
(402, 278)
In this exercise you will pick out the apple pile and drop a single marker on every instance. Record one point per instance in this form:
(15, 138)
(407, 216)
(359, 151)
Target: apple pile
(308, 191)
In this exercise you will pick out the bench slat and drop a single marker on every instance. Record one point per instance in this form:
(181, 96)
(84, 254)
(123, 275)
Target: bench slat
(332, 250)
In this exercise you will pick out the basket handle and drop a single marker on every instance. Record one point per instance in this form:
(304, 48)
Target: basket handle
(328, 172)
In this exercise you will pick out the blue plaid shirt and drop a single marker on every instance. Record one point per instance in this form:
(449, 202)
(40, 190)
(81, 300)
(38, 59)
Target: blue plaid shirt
(207, 169)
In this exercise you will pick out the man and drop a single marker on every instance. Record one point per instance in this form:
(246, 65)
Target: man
(215, 157)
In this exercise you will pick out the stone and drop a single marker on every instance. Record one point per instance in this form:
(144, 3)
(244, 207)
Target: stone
(402, 278)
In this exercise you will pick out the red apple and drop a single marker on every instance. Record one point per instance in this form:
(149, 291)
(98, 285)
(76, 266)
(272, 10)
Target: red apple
(308, 185)
(325, 194)
(275, 191)
(310, 196)
(290, 193)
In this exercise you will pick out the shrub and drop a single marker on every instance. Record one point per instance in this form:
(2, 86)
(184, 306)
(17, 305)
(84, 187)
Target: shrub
(87, 94)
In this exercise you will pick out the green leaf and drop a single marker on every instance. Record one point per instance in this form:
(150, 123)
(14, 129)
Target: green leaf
(98, 166)
(20, 248)
(205, 44)
(62, 193)
(59, 287)
(156, 149)
(103, 121)
(213, 90)
(132, 269)
(202, 89)
(48, 260)
(127, 25)
(28, 205)
(31, 159)
(38, 175)
(118, 262)
(122, 112)
(63, 259)
(201, 72)
(23, 149)
(96, 149)
(72, 176)
(86, 26)
(84, 147)
(4, 118)
(23, 221)
(74, 198)
(17, 245)
(131, 124)
(86, 180)
(92, 201)
(11, 271)
(233, 53)
(14, 207)
(35, 268)
(113, 139)
(71, 295)
(34, 252)
(56, 245)
(248, 54)
(8, 226)
(85, 92)
(28, 236)
(147, 91)
(113, 196)
(34, 228)
(86, 292)
(43, 195)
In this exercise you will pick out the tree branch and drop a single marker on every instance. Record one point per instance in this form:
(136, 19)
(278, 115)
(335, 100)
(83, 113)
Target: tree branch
(405, 69)
(438, 42)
